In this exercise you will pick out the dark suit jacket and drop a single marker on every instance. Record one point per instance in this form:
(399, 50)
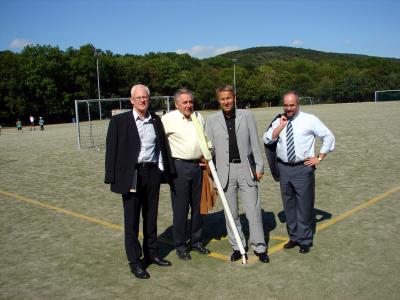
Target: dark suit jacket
(270, 151)
(123, 147)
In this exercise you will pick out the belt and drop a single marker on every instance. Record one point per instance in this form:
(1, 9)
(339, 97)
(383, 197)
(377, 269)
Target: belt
(297, 163)
(146, 164)
(191, 161)
(235, 161)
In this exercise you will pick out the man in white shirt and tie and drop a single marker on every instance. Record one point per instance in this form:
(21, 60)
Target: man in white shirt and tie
(295, 132)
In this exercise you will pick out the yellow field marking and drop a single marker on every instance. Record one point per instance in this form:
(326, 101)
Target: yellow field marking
(273, 237)
(219, 239)
(89, 219)
(332, 221)
(61, 210)
(278, 238)
(216, 255)
(357, 208)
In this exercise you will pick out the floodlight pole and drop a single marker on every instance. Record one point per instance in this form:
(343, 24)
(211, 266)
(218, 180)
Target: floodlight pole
(234, 78)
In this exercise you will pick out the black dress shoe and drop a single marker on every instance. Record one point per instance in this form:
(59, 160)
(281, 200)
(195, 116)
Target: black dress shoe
(235, 256)
(161, 262)
(139, 272)
(183, 254)
(202, 250)
(263, 257)
(304, 249)
(291, 244)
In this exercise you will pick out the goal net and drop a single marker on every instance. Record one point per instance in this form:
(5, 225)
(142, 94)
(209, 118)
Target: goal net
(93, 115)
(387, 95)
(308, 100)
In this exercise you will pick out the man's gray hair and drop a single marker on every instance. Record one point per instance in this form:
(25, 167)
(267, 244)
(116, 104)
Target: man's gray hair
(138, 85)
(181, 92)
(225, 88)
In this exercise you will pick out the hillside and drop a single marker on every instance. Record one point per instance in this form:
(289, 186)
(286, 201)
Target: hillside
(261, 55)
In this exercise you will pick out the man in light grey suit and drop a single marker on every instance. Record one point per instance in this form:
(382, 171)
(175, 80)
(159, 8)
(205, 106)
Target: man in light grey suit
(236, 149)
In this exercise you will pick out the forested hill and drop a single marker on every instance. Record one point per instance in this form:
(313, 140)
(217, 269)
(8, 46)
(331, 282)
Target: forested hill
(45, 80)
(261, 55)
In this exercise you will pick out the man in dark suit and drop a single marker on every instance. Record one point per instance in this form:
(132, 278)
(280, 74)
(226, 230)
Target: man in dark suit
(137, 158)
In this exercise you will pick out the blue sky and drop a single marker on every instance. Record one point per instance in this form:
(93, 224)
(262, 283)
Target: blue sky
(203, 28)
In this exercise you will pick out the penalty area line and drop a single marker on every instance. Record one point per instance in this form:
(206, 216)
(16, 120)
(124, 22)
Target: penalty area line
(61, 210)
(337, 219)
(89, 219)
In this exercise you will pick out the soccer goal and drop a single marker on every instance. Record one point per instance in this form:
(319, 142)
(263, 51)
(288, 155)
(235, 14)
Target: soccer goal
(387, 95)
(93, 115)
(308, 100)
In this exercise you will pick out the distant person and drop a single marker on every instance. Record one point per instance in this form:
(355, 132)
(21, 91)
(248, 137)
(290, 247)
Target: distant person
(0, 129)
(32, 122)
(137, 157)
(187, 185)
(295, 132)
(41, 123)
(233, 134)
(19, 125)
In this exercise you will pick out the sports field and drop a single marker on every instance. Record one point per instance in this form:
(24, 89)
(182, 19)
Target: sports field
(61, 234)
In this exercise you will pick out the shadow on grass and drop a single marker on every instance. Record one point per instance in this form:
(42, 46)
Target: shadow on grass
(214, 228)
(319, 216)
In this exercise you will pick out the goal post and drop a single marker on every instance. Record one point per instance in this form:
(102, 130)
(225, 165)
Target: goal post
(387, 95)
(306, 100)
(92, 117)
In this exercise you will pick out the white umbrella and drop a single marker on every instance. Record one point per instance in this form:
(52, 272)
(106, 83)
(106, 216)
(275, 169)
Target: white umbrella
(205, 146)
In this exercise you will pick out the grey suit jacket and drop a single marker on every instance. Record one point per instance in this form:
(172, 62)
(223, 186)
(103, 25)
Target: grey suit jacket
(247, 139)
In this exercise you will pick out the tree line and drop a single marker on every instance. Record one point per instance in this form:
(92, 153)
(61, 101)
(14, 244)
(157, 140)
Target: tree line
(45, 81)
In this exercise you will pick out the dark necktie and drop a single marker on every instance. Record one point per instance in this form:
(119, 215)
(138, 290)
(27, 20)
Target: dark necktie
(291, 154)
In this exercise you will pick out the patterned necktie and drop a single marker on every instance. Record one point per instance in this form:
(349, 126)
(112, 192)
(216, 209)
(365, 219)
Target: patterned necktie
(291, 154)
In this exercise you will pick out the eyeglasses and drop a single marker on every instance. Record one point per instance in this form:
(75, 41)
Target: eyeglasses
(141, 98)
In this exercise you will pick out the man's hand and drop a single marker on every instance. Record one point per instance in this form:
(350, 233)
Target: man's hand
(282, 124)
(259, 176)
(202, 162)
(283, 121)
(312, 161)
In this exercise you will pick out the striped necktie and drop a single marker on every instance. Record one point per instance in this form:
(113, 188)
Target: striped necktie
(291, 154)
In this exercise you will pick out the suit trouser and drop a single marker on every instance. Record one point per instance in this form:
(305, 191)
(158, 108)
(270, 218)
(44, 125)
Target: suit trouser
(145, 199)
(251, 205)
(298, 194)
(185, 192)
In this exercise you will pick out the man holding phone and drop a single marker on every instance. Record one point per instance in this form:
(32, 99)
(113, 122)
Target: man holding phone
(295, 132)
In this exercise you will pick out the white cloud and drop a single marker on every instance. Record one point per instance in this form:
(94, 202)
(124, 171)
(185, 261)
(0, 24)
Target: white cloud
(297, 43)
(201, 51)
(19, 43)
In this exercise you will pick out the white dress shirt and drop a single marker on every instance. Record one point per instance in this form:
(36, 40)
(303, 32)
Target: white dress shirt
(149, 151)
(182, 135)
(306, 127)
